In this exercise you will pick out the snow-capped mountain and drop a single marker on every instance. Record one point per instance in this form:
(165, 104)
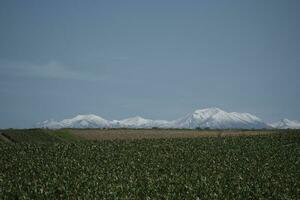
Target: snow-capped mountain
(206, 118)
(80, 121)
(285, 124)
(139, 122)
(218, 119)
(94, 121)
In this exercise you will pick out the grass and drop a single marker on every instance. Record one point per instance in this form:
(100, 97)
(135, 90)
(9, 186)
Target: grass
(64, 135)
(242, 167)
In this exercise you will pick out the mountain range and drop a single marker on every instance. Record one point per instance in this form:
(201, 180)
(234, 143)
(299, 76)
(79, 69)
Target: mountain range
(213, 118)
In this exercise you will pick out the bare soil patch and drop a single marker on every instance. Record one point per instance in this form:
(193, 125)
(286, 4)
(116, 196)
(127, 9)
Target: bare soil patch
(111, 134)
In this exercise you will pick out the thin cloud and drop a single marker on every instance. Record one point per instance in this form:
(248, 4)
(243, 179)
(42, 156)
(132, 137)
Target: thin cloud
(50, 70)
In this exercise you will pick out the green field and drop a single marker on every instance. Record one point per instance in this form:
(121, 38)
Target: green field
(44, 164)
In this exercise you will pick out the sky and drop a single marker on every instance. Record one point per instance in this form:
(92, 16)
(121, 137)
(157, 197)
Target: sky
(158, 59)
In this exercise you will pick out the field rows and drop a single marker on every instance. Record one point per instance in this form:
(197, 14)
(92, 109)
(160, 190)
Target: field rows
(244, 167)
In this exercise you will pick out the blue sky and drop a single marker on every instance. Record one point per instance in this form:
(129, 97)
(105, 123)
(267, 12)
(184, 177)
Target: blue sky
(158, 59)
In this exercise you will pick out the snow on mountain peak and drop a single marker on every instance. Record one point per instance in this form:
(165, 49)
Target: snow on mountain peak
(219, 119)
(212, 110)
(140, 122)
(137, 120)
(213, 117)
(285, 124)
(79, 121)
(207, 113)
(285, 120)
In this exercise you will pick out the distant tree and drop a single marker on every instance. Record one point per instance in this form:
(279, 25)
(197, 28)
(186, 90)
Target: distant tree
(198, 128)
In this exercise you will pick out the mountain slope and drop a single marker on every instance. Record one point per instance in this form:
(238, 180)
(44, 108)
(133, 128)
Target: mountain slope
(218, 119)
(285, 124)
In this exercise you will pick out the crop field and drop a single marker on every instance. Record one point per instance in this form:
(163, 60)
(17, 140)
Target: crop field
(62, 164)
(111, 134)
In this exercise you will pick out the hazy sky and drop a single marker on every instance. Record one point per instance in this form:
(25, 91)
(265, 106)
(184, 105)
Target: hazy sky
(158, 59)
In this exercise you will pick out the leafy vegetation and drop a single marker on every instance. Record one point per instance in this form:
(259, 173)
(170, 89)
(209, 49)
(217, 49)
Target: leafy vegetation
(63, 135)
(39, 136)
(245, 167)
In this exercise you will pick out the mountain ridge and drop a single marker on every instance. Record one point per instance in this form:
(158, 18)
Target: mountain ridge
(286, 124)
(214, 118)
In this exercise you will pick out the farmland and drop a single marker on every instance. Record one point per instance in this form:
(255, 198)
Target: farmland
(104, 164)
(112, 134)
